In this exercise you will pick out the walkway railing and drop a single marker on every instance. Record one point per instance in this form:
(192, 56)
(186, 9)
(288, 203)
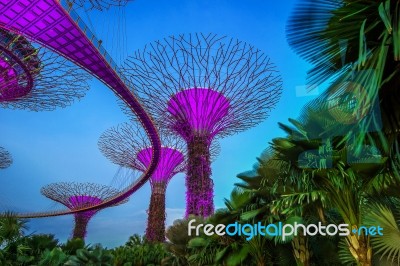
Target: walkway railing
(68, 7)
(29, 18)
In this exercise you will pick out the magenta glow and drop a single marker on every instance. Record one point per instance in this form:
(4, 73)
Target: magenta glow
(199, 110)
(170, 161)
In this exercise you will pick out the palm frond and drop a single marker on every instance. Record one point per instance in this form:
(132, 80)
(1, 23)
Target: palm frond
(386, 245)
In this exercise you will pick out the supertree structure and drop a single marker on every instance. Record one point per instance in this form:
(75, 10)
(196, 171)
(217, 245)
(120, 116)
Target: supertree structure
(128, 146)
(79, 195)
(5, 158)
(202, 87)
(36, 78)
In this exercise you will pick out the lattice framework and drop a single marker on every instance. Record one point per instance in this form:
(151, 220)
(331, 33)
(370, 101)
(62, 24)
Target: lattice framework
(241, 73)
(79, 195)
(99, 4)
(35, 78)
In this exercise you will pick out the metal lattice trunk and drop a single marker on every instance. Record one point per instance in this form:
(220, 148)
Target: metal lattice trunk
(81, 222)
(155, 231)
(199, 195)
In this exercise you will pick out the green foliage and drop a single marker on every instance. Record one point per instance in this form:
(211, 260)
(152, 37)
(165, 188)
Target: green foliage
(11, 228)
(54, 257)
(178, 240)
(202, 250)
(72, 245)
(95, 257)
(137, 252)
(39, 243)
(387, 216)
(135, 240)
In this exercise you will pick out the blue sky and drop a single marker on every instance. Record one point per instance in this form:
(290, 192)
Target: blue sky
(62, 145)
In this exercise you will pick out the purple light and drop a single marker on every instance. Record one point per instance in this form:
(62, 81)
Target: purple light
(82, 218)
(200, 203)
(77, 202)
(170, 160)
(8, 80)
(18, 62)
(198, 111)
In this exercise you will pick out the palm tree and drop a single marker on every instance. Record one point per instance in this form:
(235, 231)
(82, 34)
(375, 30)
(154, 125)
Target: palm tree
(323, 173)
(12, 240)
(271, 183)
(11, 228)
(352, 41)
(178, 240)
(38, 243)
(135, 240)
(386, 214)
(72, 245)
(250, 202)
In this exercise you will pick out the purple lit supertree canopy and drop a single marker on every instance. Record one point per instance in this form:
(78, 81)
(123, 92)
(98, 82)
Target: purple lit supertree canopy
(202, 87)
(36, 78)
(128, 146)
(5, 158)
(79, 195)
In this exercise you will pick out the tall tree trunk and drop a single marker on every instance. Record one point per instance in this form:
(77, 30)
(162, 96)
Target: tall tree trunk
(199, 194)
(155, 231)
(300, 250)
(360, 248)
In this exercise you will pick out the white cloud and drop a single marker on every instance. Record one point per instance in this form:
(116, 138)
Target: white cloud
(173, 214)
